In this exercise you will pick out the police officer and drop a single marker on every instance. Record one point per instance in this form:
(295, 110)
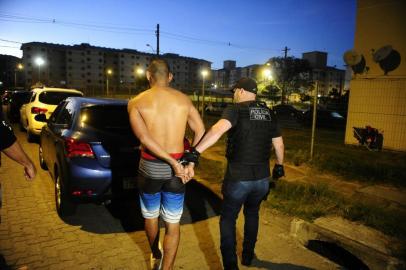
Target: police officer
(252, 130)
(12, 149)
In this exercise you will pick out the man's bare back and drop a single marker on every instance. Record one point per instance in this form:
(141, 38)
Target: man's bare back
(165, 112)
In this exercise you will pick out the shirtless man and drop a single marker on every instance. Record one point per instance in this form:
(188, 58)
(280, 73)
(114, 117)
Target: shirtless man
(158, 118)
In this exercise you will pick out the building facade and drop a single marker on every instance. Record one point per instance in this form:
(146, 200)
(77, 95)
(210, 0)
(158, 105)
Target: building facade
(226, 77)
(11, 73)
(378, 96)
(91, 69)
(327, 78)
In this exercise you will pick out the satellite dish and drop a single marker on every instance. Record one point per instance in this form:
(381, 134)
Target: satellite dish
(387, 57)
(355, 60)
(352, 58)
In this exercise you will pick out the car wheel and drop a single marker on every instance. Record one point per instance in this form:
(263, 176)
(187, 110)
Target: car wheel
(41, 159)
(64, 206)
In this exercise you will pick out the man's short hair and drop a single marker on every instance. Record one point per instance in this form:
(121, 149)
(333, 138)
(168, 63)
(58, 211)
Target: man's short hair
(159, 69)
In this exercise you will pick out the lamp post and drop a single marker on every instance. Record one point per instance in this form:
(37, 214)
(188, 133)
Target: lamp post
(152, 48)
(204, 74)
(108, 73)
(19, 68)
(138, 73)
(267, 74)
(39, 62)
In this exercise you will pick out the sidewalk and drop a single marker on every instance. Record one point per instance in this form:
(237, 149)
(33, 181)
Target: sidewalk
(371, 246)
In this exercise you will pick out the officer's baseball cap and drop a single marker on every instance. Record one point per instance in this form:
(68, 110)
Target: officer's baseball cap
(247, 84)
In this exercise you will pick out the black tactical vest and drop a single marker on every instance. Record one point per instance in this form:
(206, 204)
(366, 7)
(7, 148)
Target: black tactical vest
(250, 141)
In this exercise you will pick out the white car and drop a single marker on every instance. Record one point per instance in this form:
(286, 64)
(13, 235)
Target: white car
(43, 101)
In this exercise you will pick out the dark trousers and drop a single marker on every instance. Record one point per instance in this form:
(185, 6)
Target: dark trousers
(236, 194)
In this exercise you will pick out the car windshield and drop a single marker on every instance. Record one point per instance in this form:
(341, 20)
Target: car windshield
(54, 98)
(105, 117)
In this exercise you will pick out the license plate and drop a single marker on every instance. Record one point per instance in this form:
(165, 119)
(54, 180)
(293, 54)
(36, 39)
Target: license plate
(129, 182)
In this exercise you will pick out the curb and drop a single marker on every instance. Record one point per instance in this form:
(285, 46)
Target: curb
(372, 247)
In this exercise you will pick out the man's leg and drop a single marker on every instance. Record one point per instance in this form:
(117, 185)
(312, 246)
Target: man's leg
(251, 214)
(173, 196)
(152, 231)
(171, 243)
(234, 194)
(150, 204)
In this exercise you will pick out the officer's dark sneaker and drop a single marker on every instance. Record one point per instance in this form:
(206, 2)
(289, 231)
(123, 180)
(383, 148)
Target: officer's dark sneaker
(247, 259)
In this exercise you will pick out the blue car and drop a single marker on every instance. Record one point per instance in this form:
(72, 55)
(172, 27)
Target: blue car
(90, 151)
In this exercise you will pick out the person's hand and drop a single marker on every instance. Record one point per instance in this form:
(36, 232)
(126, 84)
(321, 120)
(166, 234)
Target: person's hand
(30, 171)
(179, 171)
(191, 169)
(189, 172)
(278, 171)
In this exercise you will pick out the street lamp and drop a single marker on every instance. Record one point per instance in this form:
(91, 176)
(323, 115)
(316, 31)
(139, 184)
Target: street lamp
(152, 48)
(109, 72)
(39, 62)
(19, 68)
(204, 74)
(138, 73)
(267, 74)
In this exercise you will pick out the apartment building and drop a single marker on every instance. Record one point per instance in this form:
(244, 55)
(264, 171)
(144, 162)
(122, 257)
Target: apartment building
(227, 76)
(89, 68)
(328, 78)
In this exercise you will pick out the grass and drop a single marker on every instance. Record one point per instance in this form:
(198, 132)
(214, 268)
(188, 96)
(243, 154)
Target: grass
(211, 170)
(313, 201)
(333, 156)
(352, 162)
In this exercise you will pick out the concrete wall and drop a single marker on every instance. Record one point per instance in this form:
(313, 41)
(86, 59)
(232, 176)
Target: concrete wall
(376, 99)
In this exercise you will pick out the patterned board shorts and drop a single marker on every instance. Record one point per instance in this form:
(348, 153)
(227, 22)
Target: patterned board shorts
(161, 193)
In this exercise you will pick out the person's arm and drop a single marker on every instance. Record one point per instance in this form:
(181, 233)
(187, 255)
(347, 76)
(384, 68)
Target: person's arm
(15, 152)
(212, 136)
(140, 129)
(196, 125)
(279, 149)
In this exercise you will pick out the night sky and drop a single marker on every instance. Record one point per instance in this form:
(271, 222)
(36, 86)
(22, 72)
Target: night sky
(249, 32)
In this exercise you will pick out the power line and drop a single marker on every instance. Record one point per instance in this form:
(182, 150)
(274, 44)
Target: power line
(11, 41)
(108, 27)
(2, 46)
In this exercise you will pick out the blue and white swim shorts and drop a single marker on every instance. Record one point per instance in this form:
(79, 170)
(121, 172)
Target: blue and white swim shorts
(161, 193)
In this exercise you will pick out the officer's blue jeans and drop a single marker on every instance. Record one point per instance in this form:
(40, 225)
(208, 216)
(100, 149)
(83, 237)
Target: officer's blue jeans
(236, 194)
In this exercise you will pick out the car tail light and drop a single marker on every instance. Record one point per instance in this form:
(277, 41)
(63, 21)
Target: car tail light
(78, 149)
(87, 192)
(38, 110)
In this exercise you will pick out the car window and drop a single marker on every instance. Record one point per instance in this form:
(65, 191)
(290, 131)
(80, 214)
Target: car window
(66, 115)
(105, 117)
(54, 115)
(54, 98)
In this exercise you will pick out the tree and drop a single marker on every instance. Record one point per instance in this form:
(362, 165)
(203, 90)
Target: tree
(290, 74)
(271, 91)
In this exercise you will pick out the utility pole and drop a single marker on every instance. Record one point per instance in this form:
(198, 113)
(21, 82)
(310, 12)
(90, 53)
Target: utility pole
(316, 92)
(286, 49)
(157, 39)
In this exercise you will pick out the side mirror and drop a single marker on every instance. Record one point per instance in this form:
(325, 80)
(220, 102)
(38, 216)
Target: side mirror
(41, 118)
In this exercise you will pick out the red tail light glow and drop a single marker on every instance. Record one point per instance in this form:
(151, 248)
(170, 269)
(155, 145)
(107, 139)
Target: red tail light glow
(78, 149)
(37, 110)
(87, 192)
